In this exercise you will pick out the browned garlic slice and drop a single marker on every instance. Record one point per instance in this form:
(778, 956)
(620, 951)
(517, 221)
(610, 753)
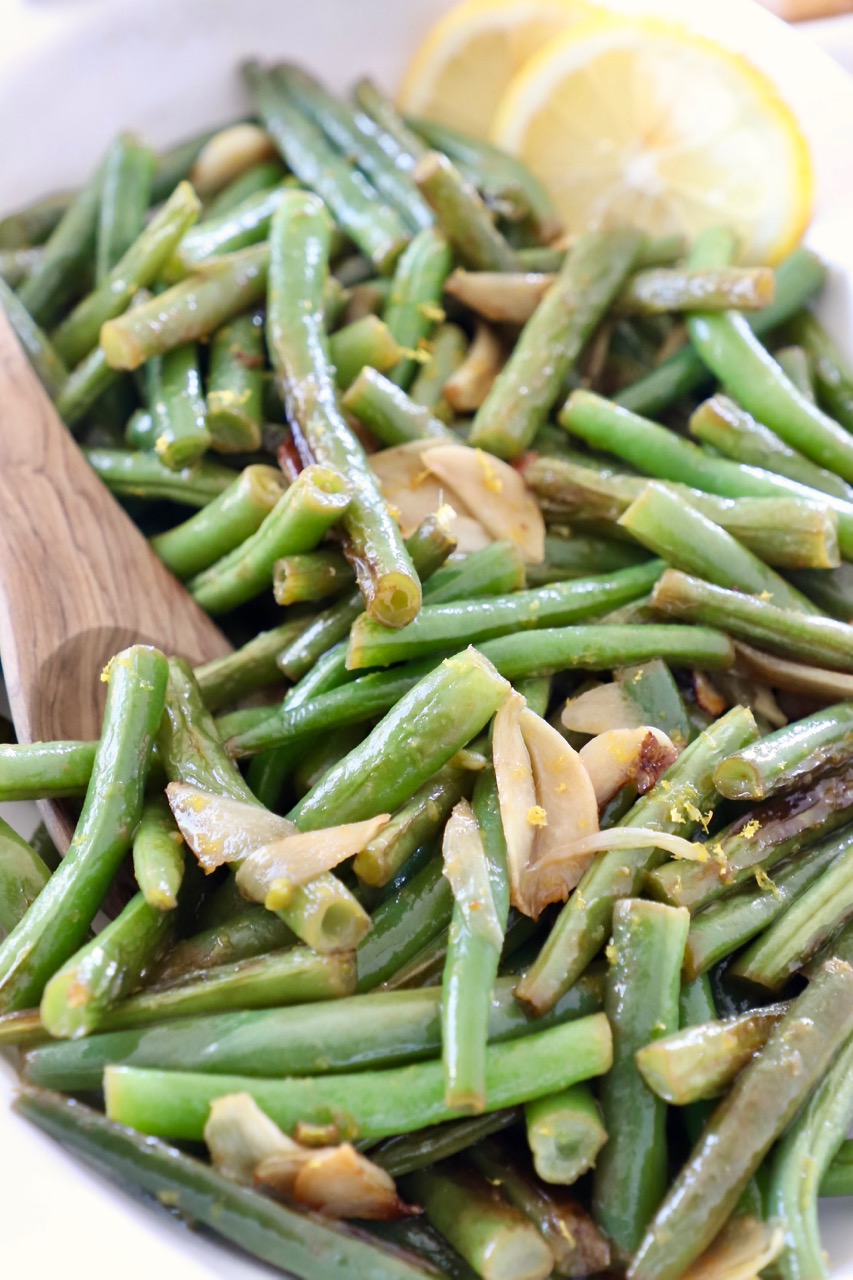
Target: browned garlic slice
(741, 1251)
(219, 829)
(604, 707)
(270, 874)
(336, 1181)
(493, 491)
(619, 756)
(414, 493)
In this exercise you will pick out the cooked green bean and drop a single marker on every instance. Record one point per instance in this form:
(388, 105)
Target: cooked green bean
(178, 413)
(389, 414)
(832, 375)
(23, 875)
(764, 1100)
(795, 363)
(565, 1133)
(365, 343)
(57, 922)
(227, 679)
(369, 1104)
(531, 381)
(316, 500)
(40, 351)
(310, 576)
(414, 304)
(416, 823)
(789, 757)
(641, 1002)
(462, 215)
(244, 224)
(65, 263)
(444, 354)
(300, 241)
(158, 855)
(235, 386)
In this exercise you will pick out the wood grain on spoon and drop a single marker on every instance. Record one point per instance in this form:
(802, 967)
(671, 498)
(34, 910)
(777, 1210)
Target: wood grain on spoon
(78, 581)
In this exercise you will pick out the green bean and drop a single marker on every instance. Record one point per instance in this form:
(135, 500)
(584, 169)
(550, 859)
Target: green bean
(763, 1101)
(658, 452)
(838, 1179)
(228, 679)
(310, 576)
(38, 348)
(734, 433)
(23, 875)
(377, 229)
(158, 855)
(189, 311)
(815, 639)
(701, 1061)
(300, 241)
(261, 177)
(734, 354)
(223, 525)
(369, 1104)
(252, 932)
(381, 109)
(16, 264)
(84, 386)
(789, 757)
(67, 253)
(495, 1238)
(650, 687)
(596, 648)
(56, 924)
(417, 1236)
(821, 910)
(471, 965)
(389, 414)
(355, 135)
(33, 224)
(235, 386)
(663, 289)
(703, 548)
(445, 353)
(322, 912)
(565, 1134)
(798, 279)
(139, 266)
(832, 375)
(438, 626)
(584, 923)
(500, 176)
(442, 713)
(800, 1162)
(789, 530)
(364, 343)
(795, 363)
(576, 1246)
(381, 1029)
(414, 304)
(759, 838)
(726, 925)
(255, 730)
(416, 823)
(244, 224)
(96, 978)
(45, 770)
(309, 1246)
(409, 1151)
(641, 1002)
(178, 413)
(301, 516)
(831, 589)
(462, 215)
(403, 924)
(529, 384)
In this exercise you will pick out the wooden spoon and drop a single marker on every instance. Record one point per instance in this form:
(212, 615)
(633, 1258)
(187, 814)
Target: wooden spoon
(78, 581)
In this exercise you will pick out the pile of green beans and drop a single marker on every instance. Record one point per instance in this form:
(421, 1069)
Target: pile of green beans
(230, 360)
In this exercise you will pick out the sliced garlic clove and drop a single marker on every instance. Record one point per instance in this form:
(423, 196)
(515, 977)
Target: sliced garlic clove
(597, 710)
(219, 829)
(271, 873)
(619, 756)
(494, 492)
(516, 795)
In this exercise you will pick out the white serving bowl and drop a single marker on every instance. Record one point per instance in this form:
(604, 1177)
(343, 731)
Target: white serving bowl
(71, 76)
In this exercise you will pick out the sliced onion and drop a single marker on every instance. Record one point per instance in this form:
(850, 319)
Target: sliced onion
(467, 870)
(619, 756)
(239, 1136)
(516, 793)
(219, 829)
(597, 710)
(271, 873)
(632, 838)
(741, 1252)
(492, 491)
(336, 1181)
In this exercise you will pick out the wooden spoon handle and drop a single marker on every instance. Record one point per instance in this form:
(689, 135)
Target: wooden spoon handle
(77, 578)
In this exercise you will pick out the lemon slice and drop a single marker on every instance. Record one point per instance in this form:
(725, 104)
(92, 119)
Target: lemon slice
(643, 122)
(462, 68)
